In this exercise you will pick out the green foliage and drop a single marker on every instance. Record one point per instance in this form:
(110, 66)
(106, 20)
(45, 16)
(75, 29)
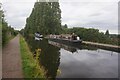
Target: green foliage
(92, 35)
(107, 33)
(7, 31)
(65, 26)
(29, 64)
(64, 29)
(45, 18)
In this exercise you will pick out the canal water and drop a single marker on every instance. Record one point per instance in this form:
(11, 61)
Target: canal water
(66, 61)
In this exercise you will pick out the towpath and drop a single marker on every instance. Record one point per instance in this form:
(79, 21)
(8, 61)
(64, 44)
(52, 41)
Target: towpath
(11, 60)
(100, 44)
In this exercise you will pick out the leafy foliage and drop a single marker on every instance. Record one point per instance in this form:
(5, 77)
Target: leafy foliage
(7, 31)
(45, 18)
(93, 35)
(107, 33)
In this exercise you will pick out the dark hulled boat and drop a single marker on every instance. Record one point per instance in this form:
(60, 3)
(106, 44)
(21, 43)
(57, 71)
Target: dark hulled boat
(66, 40)
(71, 41)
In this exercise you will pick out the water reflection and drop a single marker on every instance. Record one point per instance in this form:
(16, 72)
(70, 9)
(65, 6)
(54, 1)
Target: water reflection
(49, 56)
(50, 59)
(71, 48)
(58, 60)
(88, 64)
(68, 48)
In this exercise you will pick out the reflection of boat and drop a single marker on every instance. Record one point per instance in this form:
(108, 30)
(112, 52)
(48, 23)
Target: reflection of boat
(66, 41)
(37, 38)
(68, 48)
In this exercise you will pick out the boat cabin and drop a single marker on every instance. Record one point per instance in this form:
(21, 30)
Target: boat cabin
(65, 36)
(37, 34)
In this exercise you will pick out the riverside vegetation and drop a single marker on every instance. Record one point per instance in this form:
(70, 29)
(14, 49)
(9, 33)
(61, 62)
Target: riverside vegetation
(31, 66)
(7, 31)
(46, 19)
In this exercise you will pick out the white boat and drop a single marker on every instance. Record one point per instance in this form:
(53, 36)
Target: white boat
(37, 38)
(38, 35)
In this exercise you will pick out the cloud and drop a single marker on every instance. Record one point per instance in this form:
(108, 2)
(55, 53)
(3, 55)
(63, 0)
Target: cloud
(100, 14)
(96, 14)
(16, 12)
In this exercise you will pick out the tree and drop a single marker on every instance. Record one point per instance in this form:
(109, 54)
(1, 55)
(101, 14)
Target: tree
(65, 26)
(107, 33)
(45, 18)
(7, 31)
(90, 34)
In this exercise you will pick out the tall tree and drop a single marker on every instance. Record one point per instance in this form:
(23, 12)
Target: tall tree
(45, 18)
(65, 26)
(107, 32)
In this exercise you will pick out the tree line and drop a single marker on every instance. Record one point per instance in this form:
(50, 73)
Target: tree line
(7, 31)
(46, 19)
(93, 35)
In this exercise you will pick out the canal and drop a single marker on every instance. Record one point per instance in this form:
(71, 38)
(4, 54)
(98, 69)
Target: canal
(66, 61)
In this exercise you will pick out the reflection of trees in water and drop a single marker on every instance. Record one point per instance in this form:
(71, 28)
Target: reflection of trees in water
(68, 48)
(49, 57)
(71, 47)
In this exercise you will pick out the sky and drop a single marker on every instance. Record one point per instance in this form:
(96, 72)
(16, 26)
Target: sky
(98, 14)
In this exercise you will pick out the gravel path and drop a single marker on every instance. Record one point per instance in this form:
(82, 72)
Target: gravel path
(11, 60)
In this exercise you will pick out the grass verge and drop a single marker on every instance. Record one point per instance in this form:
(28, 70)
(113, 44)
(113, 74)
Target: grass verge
(29, 64)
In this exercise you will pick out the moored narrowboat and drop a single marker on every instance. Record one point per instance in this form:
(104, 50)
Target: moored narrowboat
(66, 38)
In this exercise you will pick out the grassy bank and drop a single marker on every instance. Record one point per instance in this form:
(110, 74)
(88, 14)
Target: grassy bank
(30, 65)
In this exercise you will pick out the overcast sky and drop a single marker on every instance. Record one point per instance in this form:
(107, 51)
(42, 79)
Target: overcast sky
(99, 14)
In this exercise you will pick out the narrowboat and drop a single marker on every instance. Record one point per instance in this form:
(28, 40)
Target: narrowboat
(66, 39)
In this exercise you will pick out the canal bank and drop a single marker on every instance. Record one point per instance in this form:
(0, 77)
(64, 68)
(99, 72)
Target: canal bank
(103, 46)
(68, 39)
(30, 66)
(94, 44)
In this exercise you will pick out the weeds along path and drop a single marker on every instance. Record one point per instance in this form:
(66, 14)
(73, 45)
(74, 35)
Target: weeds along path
(11, 60)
